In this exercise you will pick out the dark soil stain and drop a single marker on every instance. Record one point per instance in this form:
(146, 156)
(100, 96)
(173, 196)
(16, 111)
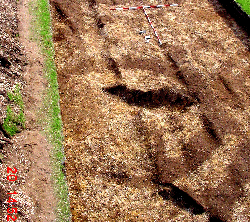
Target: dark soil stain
(5, 62)
(113, 66)
(62, 16)
(210, 128)
(59, 35)
(227, 85)
(181, 77)
(152, 98)
(99, 23)
(215, 219)
(92, 3)
(181, 199)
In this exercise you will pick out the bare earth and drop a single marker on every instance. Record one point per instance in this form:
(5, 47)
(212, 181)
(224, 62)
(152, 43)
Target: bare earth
(151, 133)
(154, 133)
(27, 151)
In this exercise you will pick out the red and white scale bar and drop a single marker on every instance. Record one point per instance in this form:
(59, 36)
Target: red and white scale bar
(143, 8)
(159, 40)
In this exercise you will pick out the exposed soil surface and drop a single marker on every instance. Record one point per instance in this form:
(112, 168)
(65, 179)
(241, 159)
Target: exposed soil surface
(154, 133)
(28, 151)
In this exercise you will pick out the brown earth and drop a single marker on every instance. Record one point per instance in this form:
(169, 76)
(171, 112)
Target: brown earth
(154, 133)
(28, 151)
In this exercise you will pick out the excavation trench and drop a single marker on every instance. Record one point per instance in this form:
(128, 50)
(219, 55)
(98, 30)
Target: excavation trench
(153, 133)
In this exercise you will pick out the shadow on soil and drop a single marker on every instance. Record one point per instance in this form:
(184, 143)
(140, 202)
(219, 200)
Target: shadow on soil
(152, 98)
(229, 9)
(181, 199)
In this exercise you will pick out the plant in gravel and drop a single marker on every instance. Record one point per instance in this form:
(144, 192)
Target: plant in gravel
(16, 97)
(15, 120)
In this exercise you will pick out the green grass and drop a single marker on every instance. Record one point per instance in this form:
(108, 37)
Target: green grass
(16, 97)
(245, 4)
(15, 120)
(43, 33)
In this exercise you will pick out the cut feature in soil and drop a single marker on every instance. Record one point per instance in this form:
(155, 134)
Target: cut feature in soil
(227, 85)
(215, 219)
(144, 118)
(209, 126)
(113, 66)
(5, 62)
(152, 98)
(99, 23)
(181, 199)
(63, 16)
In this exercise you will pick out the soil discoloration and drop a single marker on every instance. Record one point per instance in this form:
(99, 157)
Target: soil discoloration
(153, 98)
(62, 15)
(181, 198)
(138, 116)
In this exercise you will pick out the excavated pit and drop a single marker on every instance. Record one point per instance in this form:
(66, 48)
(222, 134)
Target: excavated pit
(154, 133)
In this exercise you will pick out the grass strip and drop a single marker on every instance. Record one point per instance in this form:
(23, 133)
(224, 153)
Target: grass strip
(245, 4)
(42, 24)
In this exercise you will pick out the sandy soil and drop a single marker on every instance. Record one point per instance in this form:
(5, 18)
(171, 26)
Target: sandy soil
(154, 133)
(27, 151)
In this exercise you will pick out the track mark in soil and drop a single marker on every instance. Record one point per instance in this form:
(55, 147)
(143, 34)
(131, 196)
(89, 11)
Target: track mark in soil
(4, 62)
(231, 91)
(113, 66)
(210, 128)
(153, 154)
(152, 98)
(227, 85)
(181, 199)
(62, 16)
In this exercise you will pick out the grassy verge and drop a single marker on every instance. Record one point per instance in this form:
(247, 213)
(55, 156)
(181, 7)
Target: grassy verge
(43, 33)
(245, 4)
(14, 121)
